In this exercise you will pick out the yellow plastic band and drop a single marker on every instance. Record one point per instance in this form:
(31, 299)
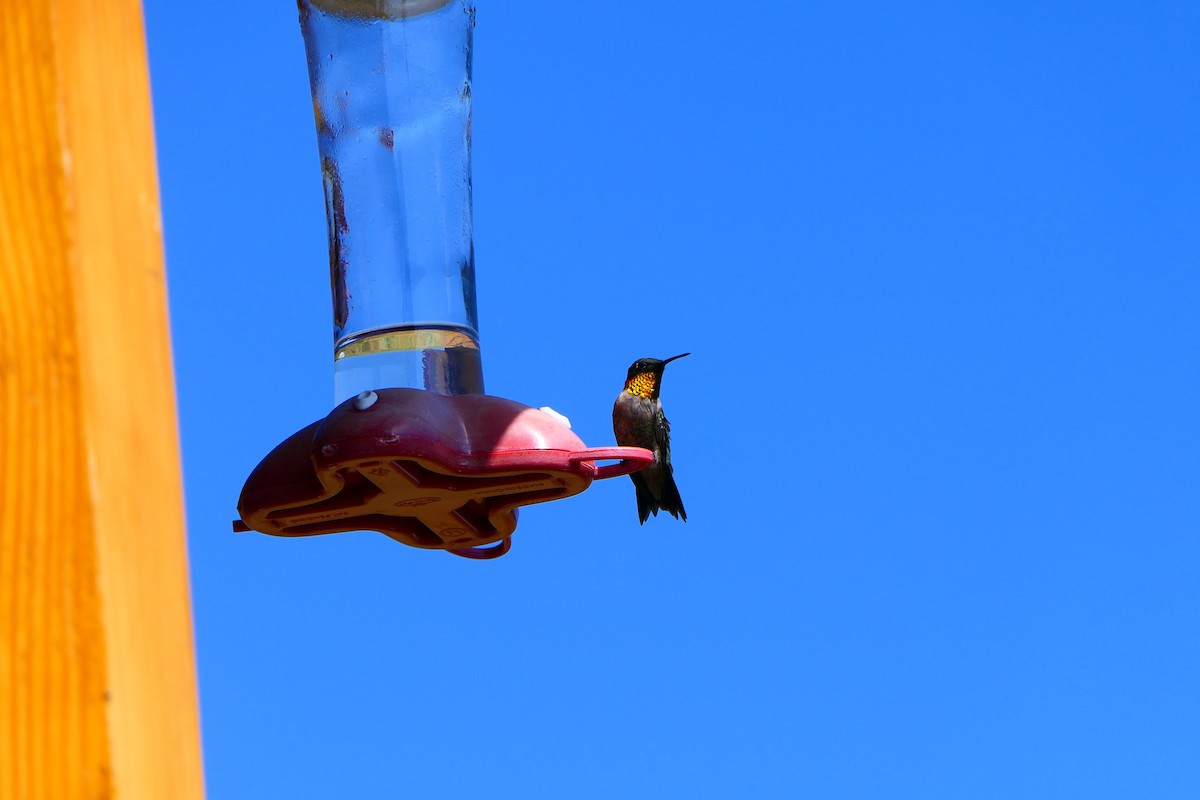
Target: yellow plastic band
(392, 341)
(379, 9)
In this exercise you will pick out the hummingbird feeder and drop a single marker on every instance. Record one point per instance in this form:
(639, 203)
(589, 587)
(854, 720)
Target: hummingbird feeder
(413, 449)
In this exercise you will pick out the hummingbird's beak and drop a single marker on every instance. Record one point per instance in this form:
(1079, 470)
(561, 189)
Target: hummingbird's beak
(672, 358)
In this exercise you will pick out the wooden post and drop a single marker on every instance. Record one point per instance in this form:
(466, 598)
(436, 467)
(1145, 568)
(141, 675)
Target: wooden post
(97, 675)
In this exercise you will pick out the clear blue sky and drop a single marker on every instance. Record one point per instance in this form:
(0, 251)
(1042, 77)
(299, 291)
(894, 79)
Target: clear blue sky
(938, 438)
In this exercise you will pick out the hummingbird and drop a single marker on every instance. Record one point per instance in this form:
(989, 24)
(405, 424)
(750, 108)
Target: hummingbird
(638, 421)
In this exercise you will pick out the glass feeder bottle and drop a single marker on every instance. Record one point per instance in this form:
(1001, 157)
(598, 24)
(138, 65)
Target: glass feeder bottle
(391, 87)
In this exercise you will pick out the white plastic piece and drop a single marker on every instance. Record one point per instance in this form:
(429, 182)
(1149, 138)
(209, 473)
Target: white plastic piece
(365, 400)
(559, 418)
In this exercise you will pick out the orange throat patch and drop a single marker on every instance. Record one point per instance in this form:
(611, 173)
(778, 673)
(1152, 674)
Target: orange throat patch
(642, 384)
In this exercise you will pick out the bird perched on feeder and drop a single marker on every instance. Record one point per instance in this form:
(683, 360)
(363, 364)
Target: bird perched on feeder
(638, 421)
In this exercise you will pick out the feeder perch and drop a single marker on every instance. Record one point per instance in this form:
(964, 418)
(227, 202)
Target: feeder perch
(413, 449)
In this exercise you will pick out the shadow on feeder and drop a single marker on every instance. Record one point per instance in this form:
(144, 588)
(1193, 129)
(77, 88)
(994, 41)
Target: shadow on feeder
(414, 449)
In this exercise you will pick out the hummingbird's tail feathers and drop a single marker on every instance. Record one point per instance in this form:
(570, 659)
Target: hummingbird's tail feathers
(646, 502)
(670, 501)
(649, 504)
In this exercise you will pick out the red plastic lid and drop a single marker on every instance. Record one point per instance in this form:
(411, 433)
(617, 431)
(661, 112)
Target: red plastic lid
(431, 471)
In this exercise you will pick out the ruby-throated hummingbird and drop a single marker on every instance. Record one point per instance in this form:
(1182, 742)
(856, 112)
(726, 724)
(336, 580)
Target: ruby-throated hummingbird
(638, 421)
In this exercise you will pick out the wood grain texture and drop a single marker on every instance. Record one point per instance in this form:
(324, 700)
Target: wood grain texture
(97, 676)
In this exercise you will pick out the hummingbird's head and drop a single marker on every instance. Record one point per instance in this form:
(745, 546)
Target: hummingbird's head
(645, 376)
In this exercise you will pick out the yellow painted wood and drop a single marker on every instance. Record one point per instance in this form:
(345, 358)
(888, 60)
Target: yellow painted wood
(97, 676)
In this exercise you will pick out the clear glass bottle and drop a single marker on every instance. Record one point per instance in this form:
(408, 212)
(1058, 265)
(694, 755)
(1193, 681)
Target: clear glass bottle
(391, 86)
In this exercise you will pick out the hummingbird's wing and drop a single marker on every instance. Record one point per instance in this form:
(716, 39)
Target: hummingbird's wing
(662, 436)
(670, 501)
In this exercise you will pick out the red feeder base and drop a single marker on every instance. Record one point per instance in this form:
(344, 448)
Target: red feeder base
(431, 471)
